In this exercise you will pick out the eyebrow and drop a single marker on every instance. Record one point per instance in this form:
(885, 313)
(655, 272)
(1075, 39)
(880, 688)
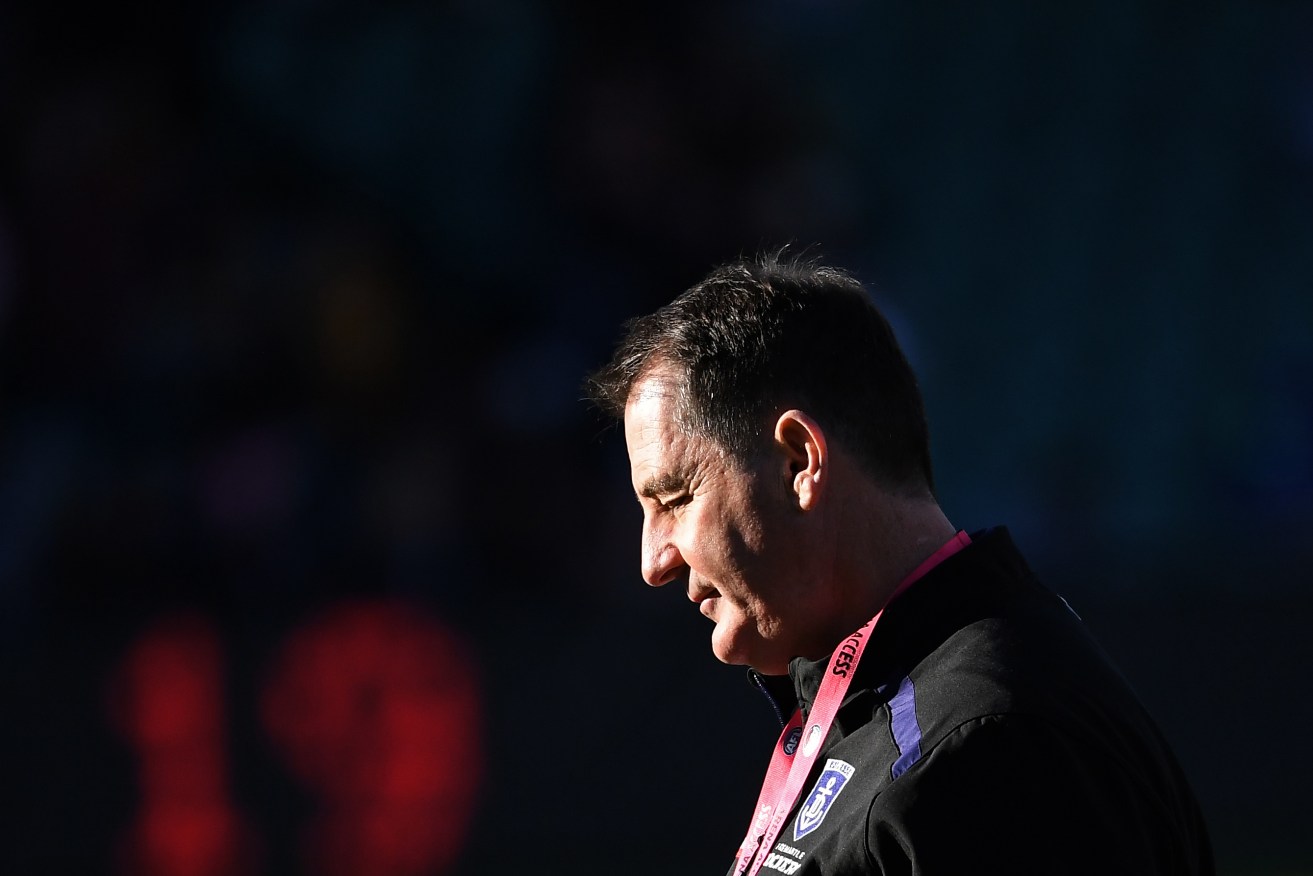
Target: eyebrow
(664, 484)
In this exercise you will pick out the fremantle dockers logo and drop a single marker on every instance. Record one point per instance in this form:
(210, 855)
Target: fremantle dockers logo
(836, 775)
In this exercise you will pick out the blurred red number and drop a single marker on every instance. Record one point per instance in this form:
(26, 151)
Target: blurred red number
(376, 707)
(167, 699)
(373, 705)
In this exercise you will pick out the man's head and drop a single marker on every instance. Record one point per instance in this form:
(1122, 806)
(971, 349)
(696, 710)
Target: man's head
(759, 337)
(771, 420)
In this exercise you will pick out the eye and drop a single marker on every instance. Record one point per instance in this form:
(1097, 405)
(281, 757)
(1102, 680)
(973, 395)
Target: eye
(676, 500)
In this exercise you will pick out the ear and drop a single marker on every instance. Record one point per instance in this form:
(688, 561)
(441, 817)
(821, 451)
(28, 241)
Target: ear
(802, 442)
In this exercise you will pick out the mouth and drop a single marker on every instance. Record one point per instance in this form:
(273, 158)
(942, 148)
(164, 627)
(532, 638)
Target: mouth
(700, 593)
(707, 604)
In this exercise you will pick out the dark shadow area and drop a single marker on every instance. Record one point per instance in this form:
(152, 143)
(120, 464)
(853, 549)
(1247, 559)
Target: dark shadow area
(296, 299)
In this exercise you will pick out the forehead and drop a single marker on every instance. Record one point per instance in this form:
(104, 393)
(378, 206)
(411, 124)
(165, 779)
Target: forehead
(659, 450)
(653, 403)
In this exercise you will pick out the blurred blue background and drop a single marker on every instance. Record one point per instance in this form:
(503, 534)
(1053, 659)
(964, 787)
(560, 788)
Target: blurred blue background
(296, 298)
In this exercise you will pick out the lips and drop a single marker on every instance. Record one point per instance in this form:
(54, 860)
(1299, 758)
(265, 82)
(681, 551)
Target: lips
(700, 592)
(705, 597)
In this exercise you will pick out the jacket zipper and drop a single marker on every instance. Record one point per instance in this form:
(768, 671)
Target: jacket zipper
(761, 686)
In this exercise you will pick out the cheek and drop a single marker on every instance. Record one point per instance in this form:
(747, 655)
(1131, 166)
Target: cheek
(746, 552)
(728, 548)
(698, 540)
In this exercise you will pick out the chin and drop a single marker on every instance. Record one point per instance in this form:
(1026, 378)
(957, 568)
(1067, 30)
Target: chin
(727, 650)
(732, 650)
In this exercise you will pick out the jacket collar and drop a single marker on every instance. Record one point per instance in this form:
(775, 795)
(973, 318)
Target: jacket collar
(951, 595)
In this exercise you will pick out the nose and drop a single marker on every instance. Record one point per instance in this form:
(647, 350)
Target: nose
(662, 561)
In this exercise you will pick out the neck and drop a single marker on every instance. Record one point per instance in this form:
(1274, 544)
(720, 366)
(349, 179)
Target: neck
(921, 528)
(889, 539)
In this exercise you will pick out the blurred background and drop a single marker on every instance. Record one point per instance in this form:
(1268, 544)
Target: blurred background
(313, 561)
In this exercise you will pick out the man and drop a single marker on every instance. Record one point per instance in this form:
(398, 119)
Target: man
(949, 714)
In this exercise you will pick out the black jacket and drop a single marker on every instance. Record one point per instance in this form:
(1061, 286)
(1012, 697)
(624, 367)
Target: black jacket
(985, 732)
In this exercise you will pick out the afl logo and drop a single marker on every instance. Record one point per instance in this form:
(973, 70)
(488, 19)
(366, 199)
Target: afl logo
(791, 744)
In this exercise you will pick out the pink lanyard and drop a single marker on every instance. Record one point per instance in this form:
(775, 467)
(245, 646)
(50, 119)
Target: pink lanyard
(796, 750)
(784, 779)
